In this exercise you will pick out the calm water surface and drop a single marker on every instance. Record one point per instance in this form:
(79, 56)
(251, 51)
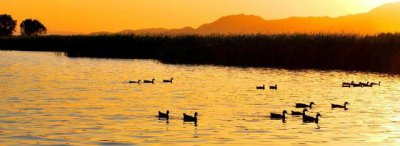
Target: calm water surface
(48, 99)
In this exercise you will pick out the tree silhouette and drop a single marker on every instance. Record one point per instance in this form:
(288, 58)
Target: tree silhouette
(7, 25)
(32, 27)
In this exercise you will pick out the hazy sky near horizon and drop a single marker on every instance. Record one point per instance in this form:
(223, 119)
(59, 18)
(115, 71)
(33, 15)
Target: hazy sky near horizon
(85, 16)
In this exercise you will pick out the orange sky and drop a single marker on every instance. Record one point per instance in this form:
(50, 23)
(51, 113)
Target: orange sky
(85, 16)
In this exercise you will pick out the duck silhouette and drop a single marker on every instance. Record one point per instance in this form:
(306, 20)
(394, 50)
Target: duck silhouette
(340, 106)
(149, 81)
(309, 119)
(379, 83)
(302, 105)
(168, 81)
(345, 84)
(295, 113)
(261, 87)
(274, 87)
(368, 85)
(279, 116)
(357, 85)
(188, 118)
(163, 115)
(135, 82)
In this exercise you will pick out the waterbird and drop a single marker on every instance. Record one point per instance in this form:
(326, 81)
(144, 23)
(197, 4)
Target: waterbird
(309, 119)
(302, 105)
(261, 87)
(168, 81)
(279, 116)
(274, 87)
(379, 83)
(188, 118)
(357, 85)
(135, 82)
(295, 113)
(344, 84)
(340, 106)
(365, 84)
(149, 81)
(163, 115)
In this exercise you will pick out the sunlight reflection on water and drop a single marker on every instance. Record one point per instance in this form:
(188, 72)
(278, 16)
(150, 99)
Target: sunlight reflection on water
(51, 99)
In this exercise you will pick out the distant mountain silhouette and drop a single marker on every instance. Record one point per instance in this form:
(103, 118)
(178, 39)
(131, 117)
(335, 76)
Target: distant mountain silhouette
(385, 18)
(149, 30)
(100, 33)
(235, 24)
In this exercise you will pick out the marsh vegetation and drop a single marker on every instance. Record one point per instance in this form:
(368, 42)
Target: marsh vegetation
(377, 53)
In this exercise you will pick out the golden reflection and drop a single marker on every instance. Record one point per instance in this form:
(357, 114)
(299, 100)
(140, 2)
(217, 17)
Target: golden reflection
(48, 99)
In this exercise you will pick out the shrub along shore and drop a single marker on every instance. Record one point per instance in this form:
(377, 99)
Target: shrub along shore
(350, 52)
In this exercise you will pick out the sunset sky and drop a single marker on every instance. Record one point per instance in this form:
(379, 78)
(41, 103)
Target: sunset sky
(85, 16)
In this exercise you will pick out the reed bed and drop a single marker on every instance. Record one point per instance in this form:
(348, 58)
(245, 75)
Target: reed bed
(376, 53)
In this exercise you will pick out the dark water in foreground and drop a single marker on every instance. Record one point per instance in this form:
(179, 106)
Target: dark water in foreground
(55, 100)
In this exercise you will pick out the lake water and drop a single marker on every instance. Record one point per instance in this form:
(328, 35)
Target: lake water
(50, 99)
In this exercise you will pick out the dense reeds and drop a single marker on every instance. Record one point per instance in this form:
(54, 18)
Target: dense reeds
(378, 53)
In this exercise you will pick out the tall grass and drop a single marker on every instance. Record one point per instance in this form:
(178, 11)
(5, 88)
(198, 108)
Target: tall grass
(377, 53)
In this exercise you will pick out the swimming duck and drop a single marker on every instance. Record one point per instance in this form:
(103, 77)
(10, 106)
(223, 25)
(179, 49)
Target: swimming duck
(340, 106)
(135, 82)
(309, 119)
(188, 118)
(302, 105)
(168, 81)
(344, 84)
(357, 85)
(379, 83)
(273, 87)
(261, 87)
(149, 81)
(295, 113)
(279, 116)
(368, 85)
(163, 115)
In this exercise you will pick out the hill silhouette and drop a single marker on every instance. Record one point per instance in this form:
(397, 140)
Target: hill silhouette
(385, 18)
